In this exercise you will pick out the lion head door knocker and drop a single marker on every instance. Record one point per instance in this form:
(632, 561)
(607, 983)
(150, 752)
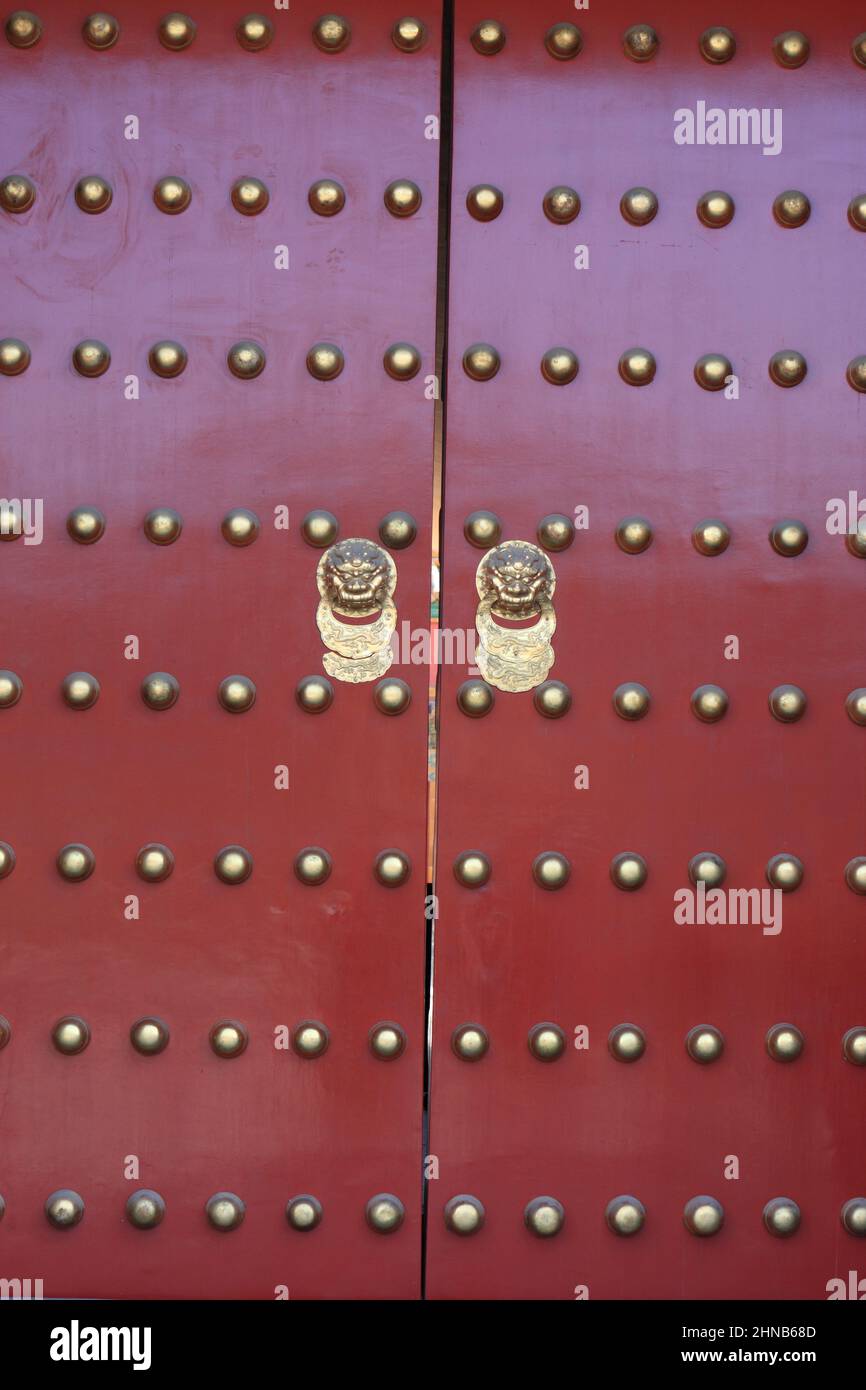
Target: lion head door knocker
(356, 580)
(515, 582)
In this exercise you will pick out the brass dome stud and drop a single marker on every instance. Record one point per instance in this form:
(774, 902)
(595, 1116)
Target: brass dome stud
(639, 206)
(787, 367)
(472, 869)
(789, 538)
(481, 362)
(237, 694)
(712, 371)
(387, 1041)
(14, 357)
(310, 1039)
(254, 32)
(319, 528)
(625, 1215)
(791, 208)
(12, 687)
(854, 1046)
(626, 1042)
(409, 34)
(397, 530)
(225, 1211)
(784, 1042)
(233, 864)
(552, 699)
(855, 874)
(488, 37)
(7, 859)
(631, 700)
(634, 534)
(561, 204)
(392, 867)
(704, 1044)
(855, 373)
(856, 540)
(149, 1036)
(703, 1216)
(172, 195)
(228, 1038)
(551, 870)
(75, 863)
(17, 193)
(640, 43)
(628, 871)
(709, 703)
(544, 1217)
(402, 361)
(167, 359)
(470, 1042)
(857, 212)
(159, 690)
(304, 1213)
(463, 1214)
(717, 44)
(858, 50)
(246, 360)
(91, 358)
(853, 1216)
(546, 1042)
(154, 862)
(781, 1217)
(559, 366)
(23, 29)
(314, 694)
(563, 41)
(332, 33)
(402, 198)
(785, 871)
(476, 698)
(249, 196)
(711, 537)
(787, 703)
(326, 197)
(10, 522)
(484, 202)
(791, 49)
(163, 525)
(70, 1035)
(64, 1209)
(482, 529)
(100, 31)
(385, 1213)
(313, 865)
(176, 31)
(145, 1209)
(855, 703)
(555, 532)
(80, 690)
(325, 361)
(5, 1031)
(93, 194)
(637, 366)
(85, 525)
(708, 868)
(392, 696)
(240, 527)
(715, 208)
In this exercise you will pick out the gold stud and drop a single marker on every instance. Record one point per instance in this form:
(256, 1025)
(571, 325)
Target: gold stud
(249, 196)
(228, 1038)
(254, 32)
(86, 525)
(637, 366)
(385, 1213)
(313, 865)
(70, 1035)
(167, 359)
(75, 862)
(402, 198)
(91, 358)
(791, 208)
(387, 1041)
(409, 35)
(552, 699)
(855, 373)
(640, 43)
(149, 1036)
(628, 871)
(787, 368)
(325, 361)
(397, 530)
(100, 31)
(172, 195)
(93, 194)
(476, 698)
(854, 1046)
(703, 1216)
(625, 1215)
(470, 1042)
(483, 529)
(626, 1042)
(711, 537)
(709, 703)
(853, 1213)
(154, 862)
(481, 362)
(856, 540)
(80, 690)
(855, 703)
(237, 694)
(326, 197)
(392, 867)
(392, 695)
(484, 202)
(7, 859)
(551, 870)
(858, 50)
(304, 1213)
(23, 29)
(402, 361)
(145, 1209)
(787, 703)
(17, 193)
(11, 687)
(704, 1043)
(233, 864)
(5, 1031)
(715, 209)
(314, 694)
(240, 527)
(708, 868)
(634, 534)
(789, 537)
(631, 700)
(712, 371)
(10, 521)
(784, 1042)
(639, 206)
(855, 874)
(785, 871)
(246, 360)
(563, 41)
(64, 1208)
(176, 31)
(225, 1211)
(331, 33)
(559, 366)
(463, 1214)
(781, 1217)
(159, 690)
(546, 1041)
(310, 1039)
(14, 357)
(857, 212)
(561, 204)
(717, 45)
(319, 528)
(544, 1217)
(488, 37)
(163, 525)
(472, 869)
(555, 531)
(791, 49)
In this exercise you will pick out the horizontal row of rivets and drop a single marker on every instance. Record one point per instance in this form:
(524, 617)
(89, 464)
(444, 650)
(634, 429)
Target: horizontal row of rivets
(233, 864)
(639, 206)
(634, 534)
(627, 1043)
(331, 33)
(246, 359)
(145, 1209)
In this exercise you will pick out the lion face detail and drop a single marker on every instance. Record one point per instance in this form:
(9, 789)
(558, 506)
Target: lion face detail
(516, 576)
(356, 577)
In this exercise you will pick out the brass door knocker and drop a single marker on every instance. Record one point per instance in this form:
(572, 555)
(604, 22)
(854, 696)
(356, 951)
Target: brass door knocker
(356, 579)
(515, 581)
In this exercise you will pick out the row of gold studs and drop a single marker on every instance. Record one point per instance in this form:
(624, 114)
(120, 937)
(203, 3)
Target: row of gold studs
(634, 534)
(233, 864)
(245, 359)
(639, 206)
(226, 1211)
